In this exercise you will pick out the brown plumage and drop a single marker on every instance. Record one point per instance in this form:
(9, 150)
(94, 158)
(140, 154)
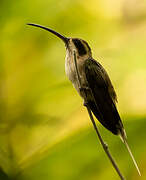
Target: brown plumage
(103, 105)
(101, 94)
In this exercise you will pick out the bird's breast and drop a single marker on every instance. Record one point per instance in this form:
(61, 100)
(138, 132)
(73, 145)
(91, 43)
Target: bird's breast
(72, 74)
(69, 69)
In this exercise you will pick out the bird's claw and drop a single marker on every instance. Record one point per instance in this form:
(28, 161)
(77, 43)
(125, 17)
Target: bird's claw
(84, 88)
(85, 103)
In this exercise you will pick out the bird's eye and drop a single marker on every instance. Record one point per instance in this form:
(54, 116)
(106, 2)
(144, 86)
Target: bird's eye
(80, 47)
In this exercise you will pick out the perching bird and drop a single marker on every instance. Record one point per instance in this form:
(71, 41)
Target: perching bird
(101, 96)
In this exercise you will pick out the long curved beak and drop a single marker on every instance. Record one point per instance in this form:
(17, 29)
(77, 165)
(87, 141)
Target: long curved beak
(65, 39)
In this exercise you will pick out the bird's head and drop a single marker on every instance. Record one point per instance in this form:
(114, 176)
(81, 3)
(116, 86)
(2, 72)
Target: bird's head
(80, 46)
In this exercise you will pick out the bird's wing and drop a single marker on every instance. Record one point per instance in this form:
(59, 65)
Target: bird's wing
(103, 106)
(111, 90)
(100, 70)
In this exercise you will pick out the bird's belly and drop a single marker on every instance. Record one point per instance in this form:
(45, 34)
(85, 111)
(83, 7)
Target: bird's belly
(69, 69)
(72, 75)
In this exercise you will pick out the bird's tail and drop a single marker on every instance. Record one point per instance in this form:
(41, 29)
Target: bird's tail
(123, 137)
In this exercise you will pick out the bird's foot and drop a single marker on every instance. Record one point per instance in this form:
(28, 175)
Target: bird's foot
(85, 103)
(84, 88)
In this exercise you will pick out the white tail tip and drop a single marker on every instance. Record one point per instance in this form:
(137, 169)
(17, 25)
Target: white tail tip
(129, 150)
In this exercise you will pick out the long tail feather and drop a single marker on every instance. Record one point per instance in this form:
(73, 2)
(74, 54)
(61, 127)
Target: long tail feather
(124, 140)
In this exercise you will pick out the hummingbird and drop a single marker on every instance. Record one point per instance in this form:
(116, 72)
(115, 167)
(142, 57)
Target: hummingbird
(100, 93)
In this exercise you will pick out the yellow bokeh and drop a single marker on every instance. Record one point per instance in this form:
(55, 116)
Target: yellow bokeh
(45, 132)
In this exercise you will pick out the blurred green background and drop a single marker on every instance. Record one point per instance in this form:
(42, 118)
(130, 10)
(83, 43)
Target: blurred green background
(45, 132)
